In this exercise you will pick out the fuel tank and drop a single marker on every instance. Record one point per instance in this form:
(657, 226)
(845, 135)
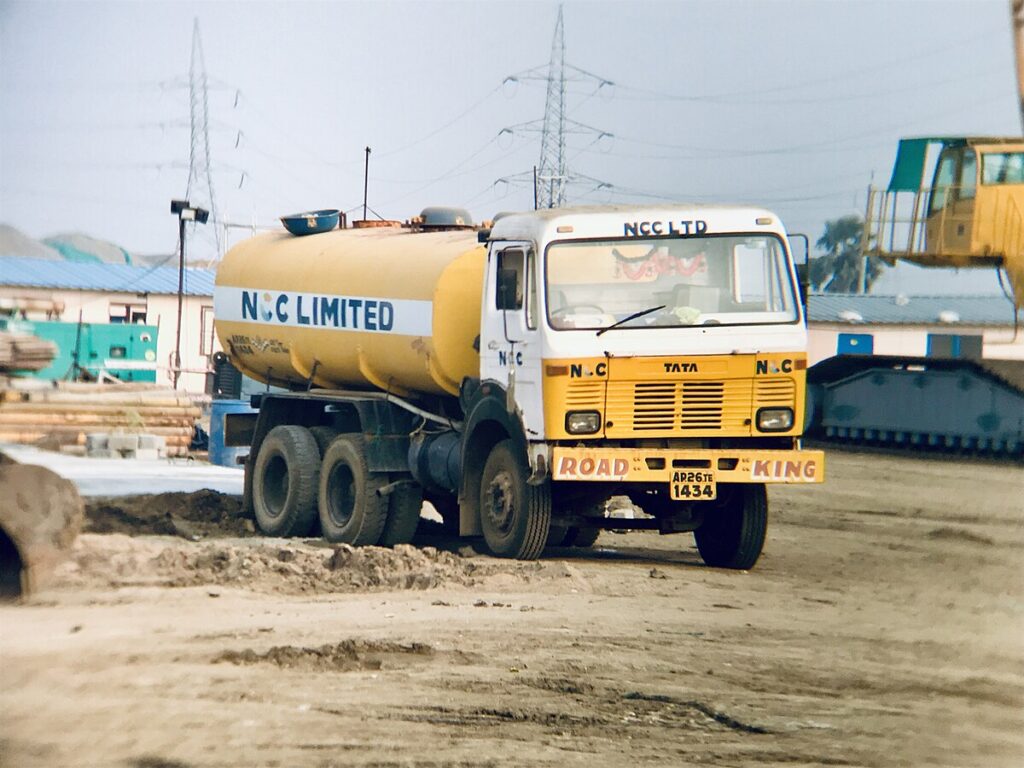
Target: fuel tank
(386, 308)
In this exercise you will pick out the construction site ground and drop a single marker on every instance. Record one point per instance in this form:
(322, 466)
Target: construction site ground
(883, 626)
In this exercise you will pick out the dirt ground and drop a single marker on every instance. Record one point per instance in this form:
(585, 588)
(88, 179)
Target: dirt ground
(884, 626)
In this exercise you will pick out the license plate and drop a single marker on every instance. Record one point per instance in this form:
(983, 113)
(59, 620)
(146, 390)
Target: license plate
(693, 485)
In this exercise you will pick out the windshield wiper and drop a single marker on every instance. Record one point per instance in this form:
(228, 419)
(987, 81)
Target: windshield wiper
(634, 316)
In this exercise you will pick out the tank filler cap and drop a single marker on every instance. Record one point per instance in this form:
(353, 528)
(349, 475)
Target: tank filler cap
(443, 217)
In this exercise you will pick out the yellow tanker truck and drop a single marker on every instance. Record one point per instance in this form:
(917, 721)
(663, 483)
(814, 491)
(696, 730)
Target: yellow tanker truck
(518, 377)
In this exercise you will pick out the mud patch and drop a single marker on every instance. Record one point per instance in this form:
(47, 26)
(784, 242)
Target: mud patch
(949, 533)
(150, 761)
(346, 656)
(697, 707)
(488, 716)
(560, 685)
(197, 515)
(605, 713)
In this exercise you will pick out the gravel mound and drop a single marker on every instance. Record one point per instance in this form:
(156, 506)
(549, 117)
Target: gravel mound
(270, 565)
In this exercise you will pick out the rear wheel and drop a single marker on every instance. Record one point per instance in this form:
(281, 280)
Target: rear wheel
(284, 482)
(351, 511)
(514, 515)
(324, 436)
(581, 537)
(732, 535)
(403, 514)
(247, 506)
(556, 535)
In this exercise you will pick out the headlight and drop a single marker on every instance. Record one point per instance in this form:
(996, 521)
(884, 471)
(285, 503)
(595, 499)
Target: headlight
(775, 419)
(582, 422)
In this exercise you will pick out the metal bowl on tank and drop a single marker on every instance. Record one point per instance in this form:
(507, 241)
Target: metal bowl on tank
(311, 222)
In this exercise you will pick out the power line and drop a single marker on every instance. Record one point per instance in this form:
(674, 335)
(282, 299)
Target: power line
(941, 50)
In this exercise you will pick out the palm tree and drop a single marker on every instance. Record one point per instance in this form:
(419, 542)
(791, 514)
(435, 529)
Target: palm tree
(839, 270)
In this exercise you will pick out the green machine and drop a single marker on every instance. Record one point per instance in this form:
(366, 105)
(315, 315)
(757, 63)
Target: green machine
(127, 352)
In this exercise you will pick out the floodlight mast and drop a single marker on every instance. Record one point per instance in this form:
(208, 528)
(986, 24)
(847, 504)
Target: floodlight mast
(185, 212)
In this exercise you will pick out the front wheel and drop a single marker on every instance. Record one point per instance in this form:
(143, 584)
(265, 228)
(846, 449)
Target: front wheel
(514, 515)
(732, 535)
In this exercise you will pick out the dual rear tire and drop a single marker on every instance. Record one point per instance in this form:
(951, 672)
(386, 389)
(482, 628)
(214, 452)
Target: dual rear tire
(303, 478)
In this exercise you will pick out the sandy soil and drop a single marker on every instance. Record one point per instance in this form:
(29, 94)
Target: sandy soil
(884, 626)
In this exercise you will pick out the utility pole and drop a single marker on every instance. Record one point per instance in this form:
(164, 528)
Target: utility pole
(181, 299)
(1017, 14)
(185, 212)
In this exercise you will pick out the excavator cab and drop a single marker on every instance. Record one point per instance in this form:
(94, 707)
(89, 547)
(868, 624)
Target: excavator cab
(971, 215)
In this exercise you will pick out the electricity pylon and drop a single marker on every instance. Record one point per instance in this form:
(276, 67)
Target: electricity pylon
(551, 172)
(200, 181)
(553, 175)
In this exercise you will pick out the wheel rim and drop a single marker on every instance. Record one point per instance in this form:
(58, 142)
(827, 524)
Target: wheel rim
(500, 506)
(341, 495)
(275, 485)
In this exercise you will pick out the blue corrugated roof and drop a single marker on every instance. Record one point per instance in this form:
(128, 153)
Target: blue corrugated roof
(909, 310)
(39, 273)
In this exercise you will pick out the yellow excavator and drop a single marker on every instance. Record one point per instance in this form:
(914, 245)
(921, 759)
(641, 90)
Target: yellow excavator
(969, 213)
(952, 201)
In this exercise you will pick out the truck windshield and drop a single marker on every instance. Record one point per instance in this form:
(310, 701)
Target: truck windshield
(720, 280)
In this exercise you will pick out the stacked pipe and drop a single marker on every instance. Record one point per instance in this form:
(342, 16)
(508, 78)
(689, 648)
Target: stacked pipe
(60, 417)
(24, 352)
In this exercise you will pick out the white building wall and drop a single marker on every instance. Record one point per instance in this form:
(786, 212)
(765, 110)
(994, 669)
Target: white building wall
(908, 340)
(161, 311)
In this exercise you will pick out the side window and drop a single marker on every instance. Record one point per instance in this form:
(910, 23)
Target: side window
(968, 175)
(206, 331)
(511, 268)
(944, 176)
(127, 313)
(758, 275)
(531, 290)
(1002, 168)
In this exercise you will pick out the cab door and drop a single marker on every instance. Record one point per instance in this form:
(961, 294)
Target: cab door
(510, 348)
(950, 221)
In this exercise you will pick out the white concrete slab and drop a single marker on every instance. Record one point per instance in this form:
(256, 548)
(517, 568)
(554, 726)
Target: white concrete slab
(124, 477)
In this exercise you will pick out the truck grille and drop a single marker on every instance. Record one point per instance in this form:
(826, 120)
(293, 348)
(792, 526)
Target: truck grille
(693, 408)
(585, 396)
(770, 393)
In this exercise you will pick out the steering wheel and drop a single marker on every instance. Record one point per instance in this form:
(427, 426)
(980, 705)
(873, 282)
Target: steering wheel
(574, 308)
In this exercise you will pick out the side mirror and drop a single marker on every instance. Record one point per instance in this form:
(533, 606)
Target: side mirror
(803, 268)
(509, 295)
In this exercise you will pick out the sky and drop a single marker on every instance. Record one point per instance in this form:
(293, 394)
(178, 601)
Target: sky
(795, 105)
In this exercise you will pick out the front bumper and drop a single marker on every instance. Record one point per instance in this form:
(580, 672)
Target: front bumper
(660, 465)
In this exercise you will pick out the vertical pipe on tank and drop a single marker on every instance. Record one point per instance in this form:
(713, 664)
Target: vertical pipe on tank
(366, 181)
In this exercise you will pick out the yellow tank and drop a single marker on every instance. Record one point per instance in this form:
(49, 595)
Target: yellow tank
(386, 308)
